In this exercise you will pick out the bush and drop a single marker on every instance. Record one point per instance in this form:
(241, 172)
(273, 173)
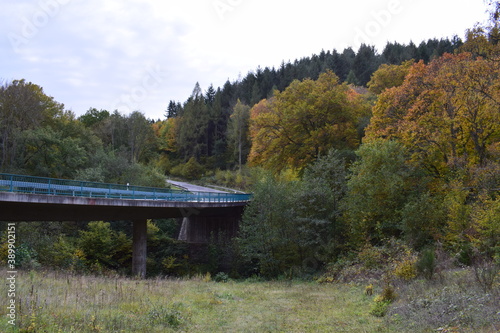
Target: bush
(172, 316)
(26, 257)
(426, 265)
(383, 301)
(371, 257)
(465, 254)
(221, 277)
(191, 170)
(388, 294)
(103, 247)
(486, 273)
(406, 269)
(379, 309)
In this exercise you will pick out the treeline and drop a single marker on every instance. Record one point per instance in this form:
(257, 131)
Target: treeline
(40, 138)
(350, 66)
(208, 129)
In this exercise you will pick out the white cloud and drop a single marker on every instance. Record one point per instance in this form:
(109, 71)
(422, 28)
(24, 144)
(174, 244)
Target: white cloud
(89, 53)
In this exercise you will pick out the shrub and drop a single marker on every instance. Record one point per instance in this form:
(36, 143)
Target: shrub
(383, 301)
(221, 277)
(380, 308)
(406, 269)
(191, 170)
(370, 256)
(486, 273)
(169, 264)
(26, 257)
(172, 316)
(388, 294)
(402, 258)
(102, 246)
(465, 254)
(426, 265)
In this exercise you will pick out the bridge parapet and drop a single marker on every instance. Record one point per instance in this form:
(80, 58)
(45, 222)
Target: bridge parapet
(75, 188)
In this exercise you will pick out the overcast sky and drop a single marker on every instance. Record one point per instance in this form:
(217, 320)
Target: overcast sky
(140, 54)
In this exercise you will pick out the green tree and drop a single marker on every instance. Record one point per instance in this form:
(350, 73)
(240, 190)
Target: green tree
(318, 207)
(377, 192)
(365, 63)
(141, 139)
(352, 79)
(268, 234)
(423, 219)
(47, 153)
(93, 116)
(238, 131)
(192, 131)
(486, 221)
(174, 109)
(23, 106)
(103, 246)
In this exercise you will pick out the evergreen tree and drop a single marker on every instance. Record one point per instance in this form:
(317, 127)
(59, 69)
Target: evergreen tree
(365, 63)
(173, 109)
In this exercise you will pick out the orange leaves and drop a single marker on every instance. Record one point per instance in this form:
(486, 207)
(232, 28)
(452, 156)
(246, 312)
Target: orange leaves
(444, 111)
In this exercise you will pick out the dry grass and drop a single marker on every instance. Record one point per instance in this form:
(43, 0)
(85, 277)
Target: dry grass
(57, 302)
(60, 302)
(454, 302)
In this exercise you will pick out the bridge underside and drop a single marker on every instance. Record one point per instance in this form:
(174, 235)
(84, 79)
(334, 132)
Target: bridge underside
(34, 207)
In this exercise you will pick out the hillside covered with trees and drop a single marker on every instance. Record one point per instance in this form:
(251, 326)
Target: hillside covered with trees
(349, 155)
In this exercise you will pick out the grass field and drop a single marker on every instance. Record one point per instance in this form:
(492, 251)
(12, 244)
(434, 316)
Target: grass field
(60, 302)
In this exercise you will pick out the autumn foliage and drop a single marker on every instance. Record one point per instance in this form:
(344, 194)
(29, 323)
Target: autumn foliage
(445, 112)
(305, 121)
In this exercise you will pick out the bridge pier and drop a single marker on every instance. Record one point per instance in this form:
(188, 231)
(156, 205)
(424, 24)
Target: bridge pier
(200, 228)
(139, 248)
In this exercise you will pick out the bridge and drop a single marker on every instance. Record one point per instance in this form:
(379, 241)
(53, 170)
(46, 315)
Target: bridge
(27, 198)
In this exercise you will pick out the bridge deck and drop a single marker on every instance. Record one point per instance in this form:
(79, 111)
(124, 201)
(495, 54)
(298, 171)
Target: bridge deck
(63, 187)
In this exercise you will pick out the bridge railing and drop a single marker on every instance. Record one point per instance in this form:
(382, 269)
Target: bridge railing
(75, 188)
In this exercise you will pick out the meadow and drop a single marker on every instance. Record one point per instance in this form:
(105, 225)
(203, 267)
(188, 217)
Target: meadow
(63, 302)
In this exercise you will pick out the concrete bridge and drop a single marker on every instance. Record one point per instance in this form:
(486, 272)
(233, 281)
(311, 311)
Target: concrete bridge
(26, 198)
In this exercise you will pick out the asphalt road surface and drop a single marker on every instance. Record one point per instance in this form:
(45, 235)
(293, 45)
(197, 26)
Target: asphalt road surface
(193, 188)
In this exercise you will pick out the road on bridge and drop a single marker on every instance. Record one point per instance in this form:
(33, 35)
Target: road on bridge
(193, 188)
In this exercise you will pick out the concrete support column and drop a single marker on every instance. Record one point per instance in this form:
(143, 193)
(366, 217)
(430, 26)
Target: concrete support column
(139, 248)
(184, 233)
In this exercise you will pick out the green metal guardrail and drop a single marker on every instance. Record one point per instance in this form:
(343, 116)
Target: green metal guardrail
(64, 187)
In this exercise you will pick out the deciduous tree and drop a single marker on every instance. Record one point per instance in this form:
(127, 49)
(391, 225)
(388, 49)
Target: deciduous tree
(23, 106)
(445, 112)
(238, 131)
(304, 121)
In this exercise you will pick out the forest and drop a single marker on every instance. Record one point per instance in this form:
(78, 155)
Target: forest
(352, 157)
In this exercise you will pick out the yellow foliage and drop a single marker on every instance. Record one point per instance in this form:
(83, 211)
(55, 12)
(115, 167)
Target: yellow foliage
(304, 121)
(169, 264)
(79, 254)
(370, 256)
(369, 290)
(406, 269)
